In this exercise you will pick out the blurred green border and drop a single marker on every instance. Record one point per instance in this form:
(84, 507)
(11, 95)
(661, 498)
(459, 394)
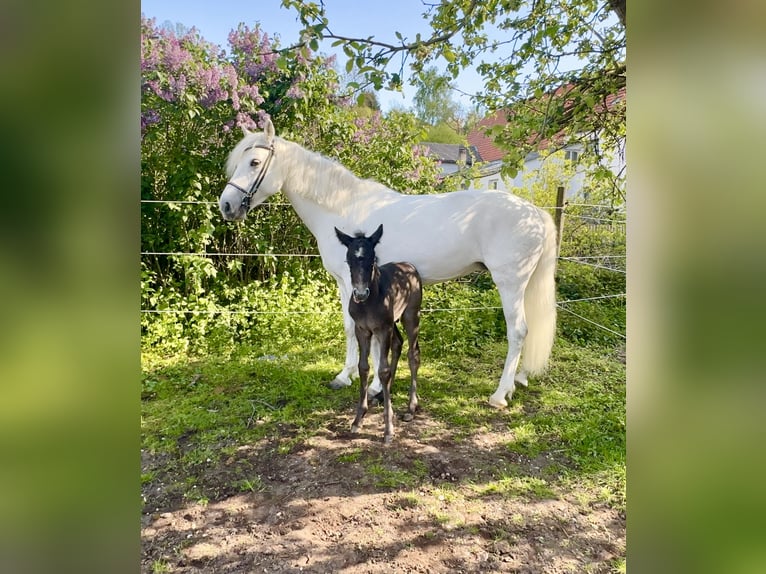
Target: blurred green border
(69, 346)
(69, 370)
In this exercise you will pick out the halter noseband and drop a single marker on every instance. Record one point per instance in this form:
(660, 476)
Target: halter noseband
(249, 193)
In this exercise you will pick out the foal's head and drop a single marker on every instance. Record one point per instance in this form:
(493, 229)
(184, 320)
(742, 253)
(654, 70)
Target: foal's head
(360, 256)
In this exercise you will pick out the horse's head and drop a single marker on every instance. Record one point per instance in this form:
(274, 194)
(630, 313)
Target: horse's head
(252, 177)
(360, 256)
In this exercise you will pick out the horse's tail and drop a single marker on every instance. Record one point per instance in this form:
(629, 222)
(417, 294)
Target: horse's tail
(540, 305)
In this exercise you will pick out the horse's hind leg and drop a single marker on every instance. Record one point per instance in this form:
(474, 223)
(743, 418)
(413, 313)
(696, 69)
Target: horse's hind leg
(375, 390)
(412, 325)
(396, 351)
(512, 297)
(384, 370)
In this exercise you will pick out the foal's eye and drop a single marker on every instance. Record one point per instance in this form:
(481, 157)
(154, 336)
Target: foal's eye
(255, 162)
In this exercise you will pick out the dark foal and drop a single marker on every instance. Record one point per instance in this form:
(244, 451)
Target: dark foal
(380, 297)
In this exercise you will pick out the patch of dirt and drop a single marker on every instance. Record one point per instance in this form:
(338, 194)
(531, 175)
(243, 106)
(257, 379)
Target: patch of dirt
(428, 503)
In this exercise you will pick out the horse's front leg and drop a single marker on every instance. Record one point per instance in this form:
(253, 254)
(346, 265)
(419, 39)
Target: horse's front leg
(343, 379)
(364, 369)
(412, 324)
(384, 370)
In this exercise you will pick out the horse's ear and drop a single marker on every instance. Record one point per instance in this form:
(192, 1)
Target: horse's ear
(268, 129)
(245, 132)
(343, 238)
(375, 237)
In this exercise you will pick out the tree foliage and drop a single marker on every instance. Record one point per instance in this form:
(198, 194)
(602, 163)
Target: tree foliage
(443, 133)
(433, 98)
(555, 65)
(194, 98)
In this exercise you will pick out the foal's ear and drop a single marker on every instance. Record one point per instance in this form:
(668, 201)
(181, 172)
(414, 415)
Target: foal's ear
(343, 238)
(375, 237)
(268, 129)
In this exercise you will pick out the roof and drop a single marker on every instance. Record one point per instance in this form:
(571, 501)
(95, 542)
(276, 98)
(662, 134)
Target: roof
(449, 153)
(486, 148)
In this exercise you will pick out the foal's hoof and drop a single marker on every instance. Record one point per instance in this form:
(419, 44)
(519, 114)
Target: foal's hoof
(337, 383)
(407, 417)
(388, 439)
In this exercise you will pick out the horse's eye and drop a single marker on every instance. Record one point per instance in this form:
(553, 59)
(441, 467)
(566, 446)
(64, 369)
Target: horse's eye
(255, 162)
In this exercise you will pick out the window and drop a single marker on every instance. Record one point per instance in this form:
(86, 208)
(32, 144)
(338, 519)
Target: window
(571, 155)
(493, 183)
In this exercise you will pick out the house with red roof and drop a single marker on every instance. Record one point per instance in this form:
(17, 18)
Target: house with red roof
(489, 156)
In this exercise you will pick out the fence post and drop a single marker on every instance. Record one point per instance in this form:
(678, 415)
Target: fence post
(558, 216)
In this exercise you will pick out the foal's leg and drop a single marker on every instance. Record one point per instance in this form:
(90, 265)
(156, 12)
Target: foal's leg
(384, 370)
(396, 351)
(363, 337)
(411, 322)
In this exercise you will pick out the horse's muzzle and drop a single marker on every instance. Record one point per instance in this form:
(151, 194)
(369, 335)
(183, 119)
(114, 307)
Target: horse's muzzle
(231, 211)
(360, 296)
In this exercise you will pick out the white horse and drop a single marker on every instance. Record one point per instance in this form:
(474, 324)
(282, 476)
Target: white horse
(444, 235)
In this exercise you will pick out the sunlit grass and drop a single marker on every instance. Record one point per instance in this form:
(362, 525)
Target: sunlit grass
(200, 409)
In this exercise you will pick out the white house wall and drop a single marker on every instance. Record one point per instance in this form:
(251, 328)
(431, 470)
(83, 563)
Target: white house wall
(531, 168)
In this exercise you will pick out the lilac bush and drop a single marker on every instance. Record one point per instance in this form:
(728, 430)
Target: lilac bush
(194, 98)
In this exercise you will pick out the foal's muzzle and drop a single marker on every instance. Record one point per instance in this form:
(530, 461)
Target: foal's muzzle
(360, 296)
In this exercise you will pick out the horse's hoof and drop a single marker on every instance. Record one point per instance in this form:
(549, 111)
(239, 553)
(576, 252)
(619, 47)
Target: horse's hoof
(521, 380)
(407, 417)
(388, 439)
(337, 383)
(493, 402)
(354, 429)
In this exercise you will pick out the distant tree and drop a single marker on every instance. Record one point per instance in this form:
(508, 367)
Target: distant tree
(368, 99)
(175, 28)
(443, 133)
(433, 98)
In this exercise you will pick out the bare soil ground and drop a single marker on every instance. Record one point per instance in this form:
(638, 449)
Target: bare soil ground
(332, 502)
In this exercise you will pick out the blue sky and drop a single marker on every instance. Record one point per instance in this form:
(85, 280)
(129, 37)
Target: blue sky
(215, 19)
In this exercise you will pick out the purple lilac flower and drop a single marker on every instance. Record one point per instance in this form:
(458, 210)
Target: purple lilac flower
(148, 118)
(262, 117)
(294, 91)
(245, 121)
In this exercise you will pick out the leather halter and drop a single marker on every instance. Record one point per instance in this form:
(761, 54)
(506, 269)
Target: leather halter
(249, 193)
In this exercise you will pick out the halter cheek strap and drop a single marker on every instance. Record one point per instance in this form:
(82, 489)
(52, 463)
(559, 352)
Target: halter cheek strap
(247, 194)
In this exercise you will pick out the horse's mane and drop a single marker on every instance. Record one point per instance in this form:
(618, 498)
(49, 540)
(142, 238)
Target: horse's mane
(325, 181)
(311, 174)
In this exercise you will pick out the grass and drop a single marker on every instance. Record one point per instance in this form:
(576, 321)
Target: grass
(514, 486)
(199, 410)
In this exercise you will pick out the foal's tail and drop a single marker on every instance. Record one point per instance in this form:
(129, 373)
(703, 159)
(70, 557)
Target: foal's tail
(540, 305)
